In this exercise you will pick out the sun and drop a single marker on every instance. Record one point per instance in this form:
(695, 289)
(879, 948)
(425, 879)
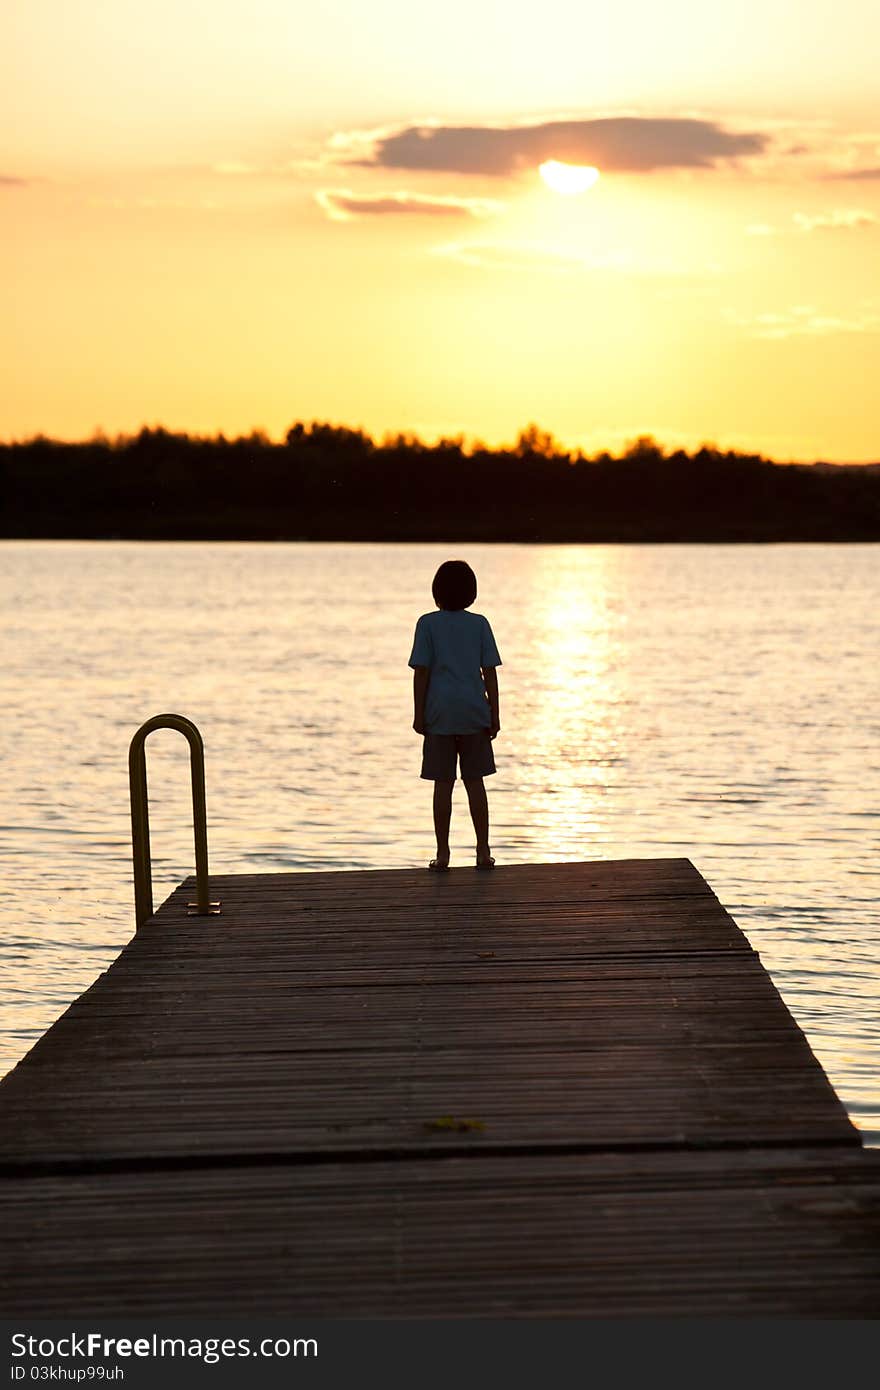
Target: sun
(568, 178)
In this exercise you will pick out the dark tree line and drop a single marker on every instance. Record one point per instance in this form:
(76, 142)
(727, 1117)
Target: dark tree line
(327, 482)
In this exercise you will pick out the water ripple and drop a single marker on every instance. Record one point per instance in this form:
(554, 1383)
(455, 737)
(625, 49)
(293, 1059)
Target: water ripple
(712, 702)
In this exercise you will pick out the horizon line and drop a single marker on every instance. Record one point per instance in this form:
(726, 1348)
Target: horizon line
(470, 443)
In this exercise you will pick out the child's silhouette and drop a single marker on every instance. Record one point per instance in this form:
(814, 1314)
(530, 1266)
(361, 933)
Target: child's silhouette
(455, 691)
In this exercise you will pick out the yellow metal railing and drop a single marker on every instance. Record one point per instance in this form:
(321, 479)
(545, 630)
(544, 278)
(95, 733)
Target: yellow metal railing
(140, 820)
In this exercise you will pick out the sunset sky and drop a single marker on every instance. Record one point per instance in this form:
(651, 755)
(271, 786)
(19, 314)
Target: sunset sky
(220, 215)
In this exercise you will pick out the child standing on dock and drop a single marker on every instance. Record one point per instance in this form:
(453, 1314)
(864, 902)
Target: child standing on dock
(455, 693)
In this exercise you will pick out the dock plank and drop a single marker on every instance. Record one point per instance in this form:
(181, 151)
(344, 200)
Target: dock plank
(756, 1233)
(257, 1103)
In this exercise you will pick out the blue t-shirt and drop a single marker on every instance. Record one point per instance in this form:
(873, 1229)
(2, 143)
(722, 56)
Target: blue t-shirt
(454, 646)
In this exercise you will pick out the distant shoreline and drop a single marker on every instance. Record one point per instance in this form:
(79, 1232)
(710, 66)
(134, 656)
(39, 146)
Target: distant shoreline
(448, 540)
(329, 483)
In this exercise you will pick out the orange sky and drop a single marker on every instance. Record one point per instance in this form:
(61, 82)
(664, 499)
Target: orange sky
(217, 219)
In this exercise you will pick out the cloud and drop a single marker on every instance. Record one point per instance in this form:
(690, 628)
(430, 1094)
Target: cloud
(865, 174)
(804, 320)
(10, 181)
(501, 256)
(556, 260)
(838, 221)
(841, 220)
(625, 144)
(341, 205)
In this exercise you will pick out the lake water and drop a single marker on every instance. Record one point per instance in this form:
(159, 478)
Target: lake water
(716, 702)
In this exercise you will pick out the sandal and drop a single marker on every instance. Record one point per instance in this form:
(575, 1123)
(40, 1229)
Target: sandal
(437, 868)
(485, 864)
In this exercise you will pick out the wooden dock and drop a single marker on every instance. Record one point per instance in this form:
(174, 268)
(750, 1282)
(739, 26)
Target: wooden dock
(558, 1089)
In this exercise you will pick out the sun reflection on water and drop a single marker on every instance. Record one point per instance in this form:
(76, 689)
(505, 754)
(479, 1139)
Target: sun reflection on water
(571, 715)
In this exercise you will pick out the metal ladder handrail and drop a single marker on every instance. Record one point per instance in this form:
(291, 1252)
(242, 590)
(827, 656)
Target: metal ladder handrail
(140, 820)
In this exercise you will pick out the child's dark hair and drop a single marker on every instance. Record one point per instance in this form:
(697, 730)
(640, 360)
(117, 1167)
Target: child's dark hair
(455, 585)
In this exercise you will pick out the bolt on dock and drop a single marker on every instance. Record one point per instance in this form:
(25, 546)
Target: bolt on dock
(556, 1089)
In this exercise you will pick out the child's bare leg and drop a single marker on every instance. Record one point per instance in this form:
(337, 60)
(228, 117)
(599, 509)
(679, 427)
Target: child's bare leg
(442, 817)
(479, 808)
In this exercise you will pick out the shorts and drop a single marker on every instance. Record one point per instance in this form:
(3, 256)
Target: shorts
(440, 752)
